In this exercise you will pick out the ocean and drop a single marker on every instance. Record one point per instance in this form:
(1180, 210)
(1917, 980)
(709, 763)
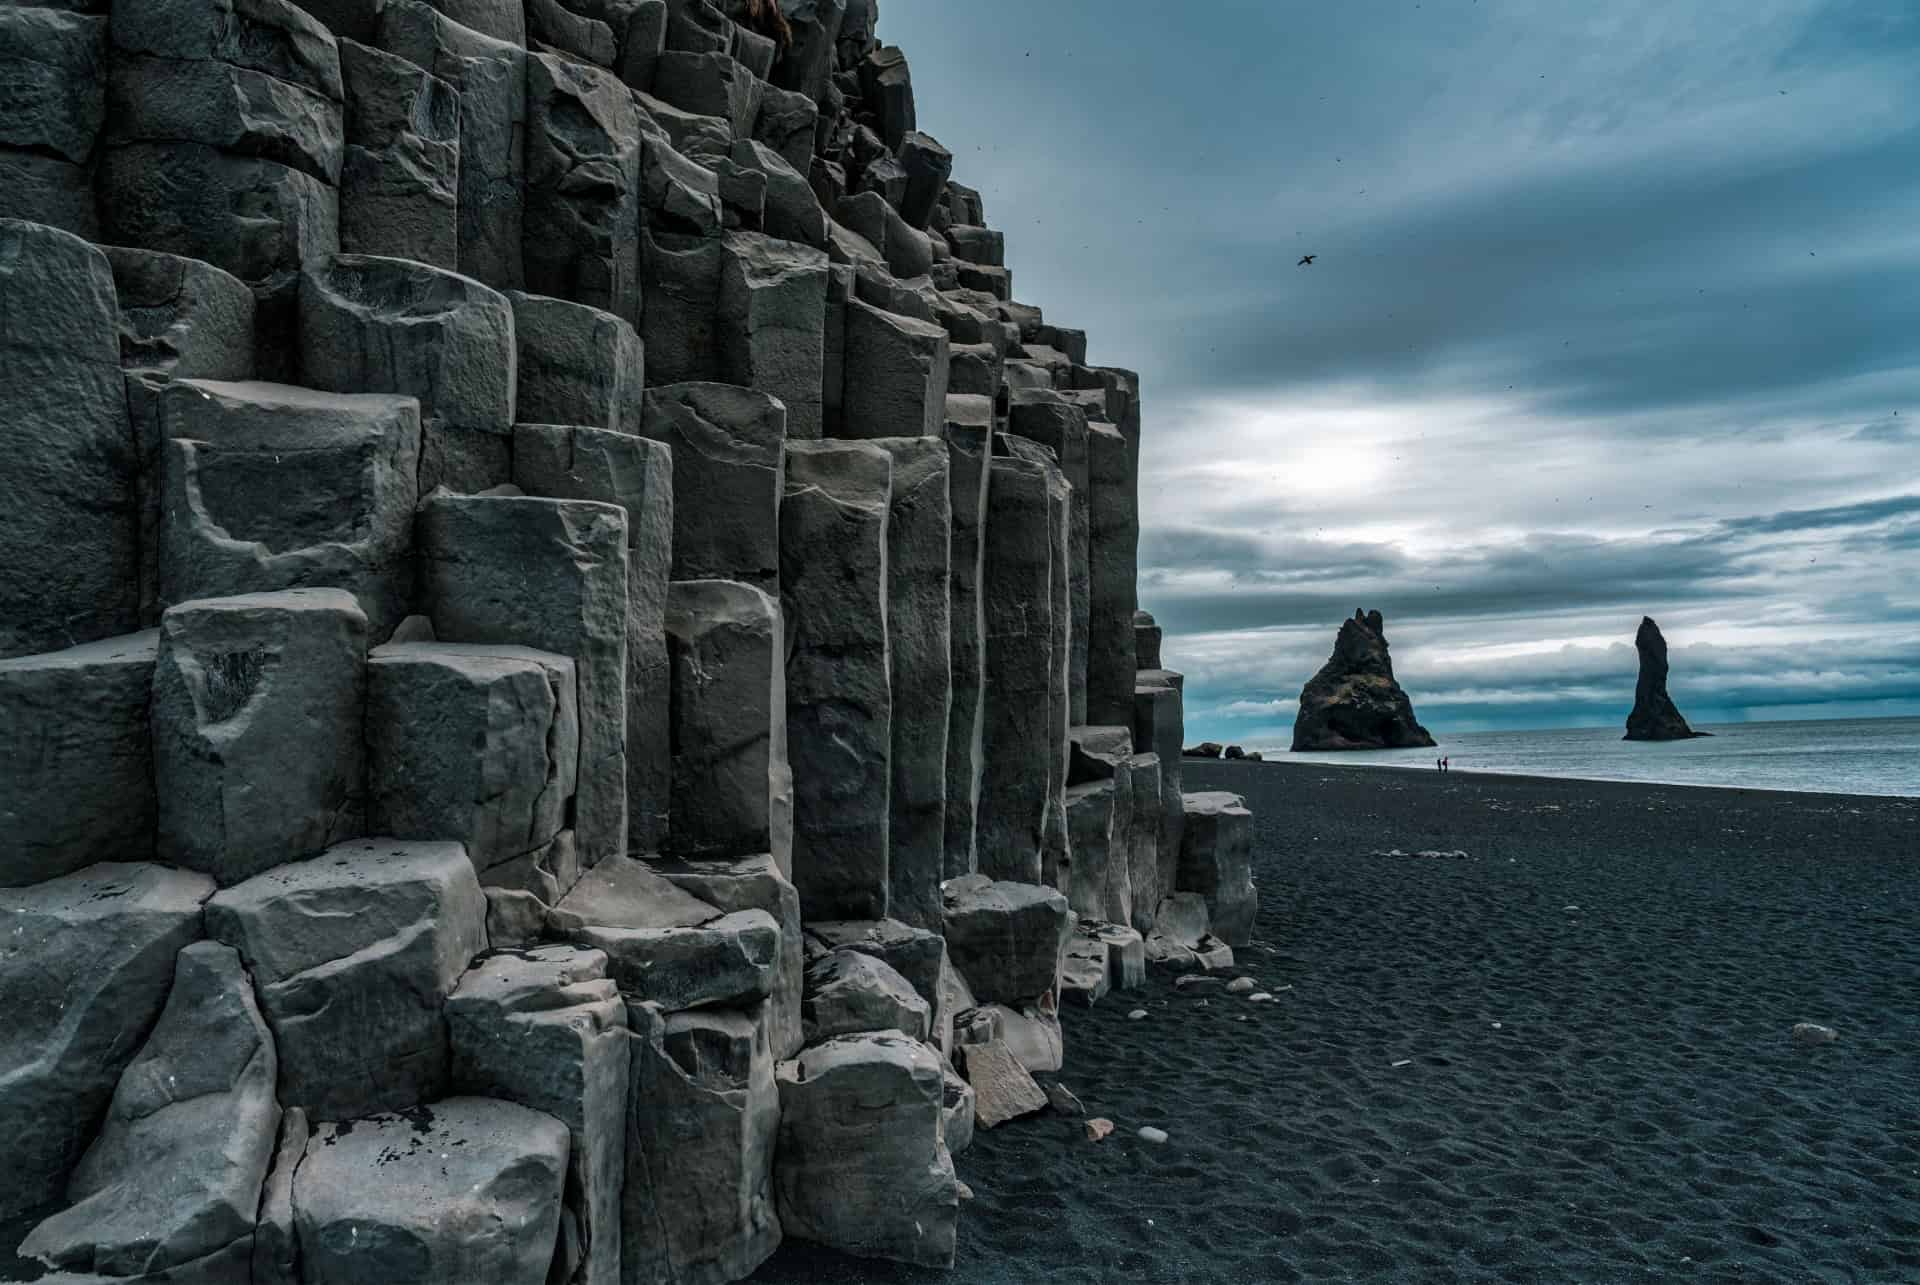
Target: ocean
(1851, 756)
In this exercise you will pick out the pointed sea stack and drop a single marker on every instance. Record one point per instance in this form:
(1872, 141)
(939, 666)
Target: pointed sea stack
(1353, 703)
(1654, 716)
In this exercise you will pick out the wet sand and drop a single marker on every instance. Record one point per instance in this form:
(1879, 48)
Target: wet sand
(1592, 1007)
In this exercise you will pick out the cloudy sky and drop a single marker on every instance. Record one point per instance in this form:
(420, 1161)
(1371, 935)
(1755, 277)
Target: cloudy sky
(1616, 312)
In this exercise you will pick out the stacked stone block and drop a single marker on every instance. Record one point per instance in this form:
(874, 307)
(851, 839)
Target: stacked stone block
(600, 633)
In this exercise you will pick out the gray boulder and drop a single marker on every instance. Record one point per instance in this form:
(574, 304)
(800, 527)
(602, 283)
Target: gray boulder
(968, 458)
(577, 365)
(772, 311)
(791, 211)
(1006, 939)
(637, 474)
(708, 83)
(732, 790)
(806, 65)
(552, 575)
(582, 185)
(389, 326)
(895, 375)
(75, 722)
(176, 1171)
(917, 954)
(886, 83)
(467, 1189)
(959, 1108)
(182, 317)
(1215, 862)
(473, 743)
(861, 1166)
(1085, 974)
(928, 166)
(755, 883)
(1181, 938)
(728, 476)
(919, 637)
(848, 992)
(353, 954)
(1032, 1033)
(355, 457)
(699, 1205)
(67, 504)
(833, 580)
(546, 1029)
(257, 709)
(977, 245)
(1003, 1088)
(491, 77)
(89, 960)
(400, 176)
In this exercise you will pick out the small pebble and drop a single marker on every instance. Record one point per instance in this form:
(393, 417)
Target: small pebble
(1098, 1128)
(1259, 997)
(1496, 1026)
(1153, 1135)
(966, 1192)
(1241, 986)
(1136, 1015)
(1810, 1033)
(1405, 1061)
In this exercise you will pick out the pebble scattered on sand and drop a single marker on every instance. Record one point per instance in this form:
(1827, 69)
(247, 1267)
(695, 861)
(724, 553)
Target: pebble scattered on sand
(1061, 1098)
(1098, 1128)
(1138, 1014)
(1405, 1061)
(1153, 1135)
(1260, 997)
(965, 1192)
(1811, 1033)
(1241, 986)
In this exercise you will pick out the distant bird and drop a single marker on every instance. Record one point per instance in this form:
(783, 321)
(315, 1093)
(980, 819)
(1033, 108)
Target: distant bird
(1306, 260)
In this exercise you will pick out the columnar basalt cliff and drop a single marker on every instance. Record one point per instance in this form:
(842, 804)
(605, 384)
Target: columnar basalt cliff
(569, 677)
(1353, 703)
(1655, 717)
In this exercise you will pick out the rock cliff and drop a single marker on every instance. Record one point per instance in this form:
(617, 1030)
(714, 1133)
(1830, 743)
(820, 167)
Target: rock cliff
(1353, 703)
(1654, 716)
(598, 635)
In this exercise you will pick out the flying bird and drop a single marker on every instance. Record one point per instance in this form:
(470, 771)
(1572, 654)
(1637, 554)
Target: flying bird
(1306, 260)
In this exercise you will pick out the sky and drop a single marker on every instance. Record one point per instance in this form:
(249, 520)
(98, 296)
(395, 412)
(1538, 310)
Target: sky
(1615, 313)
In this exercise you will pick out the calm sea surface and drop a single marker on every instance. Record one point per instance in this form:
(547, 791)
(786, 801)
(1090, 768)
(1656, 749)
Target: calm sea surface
(1855, 756)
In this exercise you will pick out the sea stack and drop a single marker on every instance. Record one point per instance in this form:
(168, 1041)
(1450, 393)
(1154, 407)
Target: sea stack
(1353, 703)
(1654, 716)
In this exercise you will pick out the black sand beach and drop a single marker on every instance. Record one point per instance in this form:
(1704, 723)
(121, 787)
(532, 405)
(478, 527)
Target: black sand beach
(1592, 1006)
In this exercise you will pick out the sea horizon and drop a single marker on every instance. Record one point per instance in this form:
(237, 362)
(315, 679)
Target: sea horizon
(1859, 756)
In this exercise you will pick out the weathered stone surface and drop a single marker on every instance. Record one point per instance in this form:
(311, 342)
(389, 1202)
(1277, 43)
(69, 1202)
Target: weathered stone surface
(53, 69)
(583, 186)
(917, 954)
(389, 326)
(551, 23)
(887, 84)
(636, 474)
(1003, 1088)
(1095, 829)
(791, 212)
(1062, 622)
(67, 505)
(353, 459)
(709, 84)
(1159, 724)
(1180, 937)
(1143, 849)
(76, 730)
(1102, 867)
(491, 78)
(919, 607)
(666, 945)
(552, 575)
(88, 963)
(1146, 640)
(353, 954)
(468, 1189)
(473, 743)
(1353, 703)
(1032, 1032)
(1006, 939)
(400, 176)
(732, 790)
(257, 706)
(958, 1110)
(968, 459)
(1126, 955)
(861, 1166)
(1045, 417)
(547, 1029)
(680, 279)
(1655, 717)
(787, 124)
(182, 317)
(1215, 861)
(699, 1204)
(833, 581)
(928, 166)
(755, 883)
(772, 310)
(728, 476)
(896, 375)
(1113, 555)
(977, 245)
(276, 1245)
(1085, 972)
(44, 189)
(176, 1171)
(1024, 713)
(577, 365)
(806, 64)
(848, 992)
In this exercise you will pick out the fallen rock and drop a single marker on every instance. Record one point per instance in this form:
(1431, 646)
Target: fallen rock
(849, 993)
(1062, 1099)
(1353, 703)
(467, 1189)
(1032, 1031)
(353, 953)
(1242, 986)
(755, 883)
(918, 955)
(1155, 1136)
(1811, 1034)
(176, 1171)
(1007, 939)
(1003, 1088)
(1098, 1129)
(861, 1166)
(958, 1107)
